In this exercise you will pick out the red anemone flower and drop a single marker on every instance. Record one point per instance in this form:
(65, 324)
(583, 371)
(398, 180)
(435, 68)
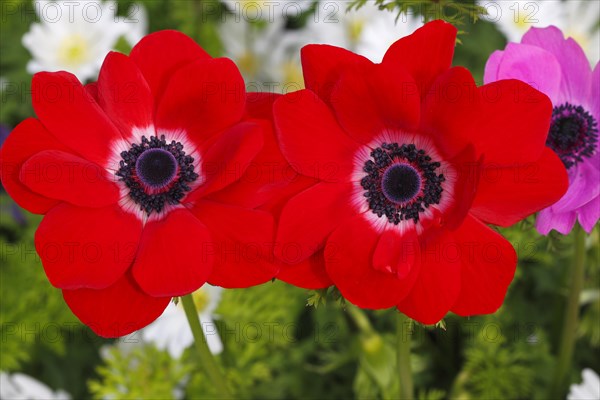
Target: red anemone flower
(412, 161)
(128, 172)
(278, 182)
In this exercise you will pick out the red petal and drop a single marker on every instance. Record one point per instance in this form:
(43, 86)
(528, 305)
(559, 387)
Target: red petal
(370, 99)
(508, 194)
(92, 89)
(264, 183)
(124, 94)
(450, 112)
(308, 218)
(28, 138)
(438, 284)
(69, 112)
(87, 247)
(160, 54)
(488, 266)
(397, 253)
(349, 260)
(228, 158)
(468, 171)
(117, 310)
(260, 105)
(202, 98)
(514, 120)
(456, 114)
(309, 274)
(279, 196)
(174, 256)
(322, 66)
(242, 244)
(311, 139)
(64, 176)
(425, 54)
(269, 180)
(269, 176)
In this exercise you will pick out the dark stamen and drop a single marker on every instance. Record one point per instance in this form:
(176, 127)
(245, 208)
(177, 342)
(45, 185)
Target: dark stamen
(156, 167)
(156, 172)
(401, 182)
(573, 134)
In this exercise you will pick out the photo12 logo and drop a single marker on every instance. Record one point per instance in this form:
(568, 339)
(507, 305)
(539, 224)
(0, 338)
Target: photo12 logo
(54, 12)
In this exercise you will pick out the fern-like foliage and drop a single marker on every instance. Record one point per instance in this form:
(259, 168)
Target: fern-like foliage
(456, 12)
(32, 312)
(139, 372)
(498, 366)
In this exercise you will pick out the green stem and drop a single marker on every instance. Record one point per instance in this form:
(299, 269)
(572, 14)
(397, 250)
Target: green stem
(206, 358)
(571, 321)
(403, 353)
(360, 319)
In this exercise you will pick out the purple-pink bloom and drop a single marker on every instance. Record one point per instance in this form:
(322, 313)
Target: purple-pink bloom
(559, 68)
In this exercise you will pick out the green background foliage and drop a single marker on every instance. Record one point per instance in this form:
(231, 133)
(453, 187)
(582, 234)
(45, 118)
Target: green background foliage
(281, 341)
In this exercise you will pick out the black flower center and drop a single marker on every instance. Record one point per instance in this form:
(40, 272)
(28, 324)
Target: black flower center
(573, 134)
(401, 182)
(156, 167)
(156, 173)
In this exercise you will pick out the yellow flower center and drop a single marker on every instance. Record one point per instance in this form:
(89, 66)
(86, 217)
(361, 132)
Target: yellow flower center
(522, 20)
(248, 64)
(255, 3)
(292, 74)
(261, 9)
(73, 50)
(201, 299)
(355, 29)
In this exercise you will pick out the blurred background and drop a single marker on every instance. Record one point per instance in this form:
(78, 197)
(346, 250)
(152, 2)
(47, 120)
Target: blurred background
(277, 341)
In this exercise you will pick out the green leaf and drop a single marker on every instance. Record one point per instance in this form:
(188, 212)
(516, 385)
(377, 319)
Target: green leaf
(378, 359)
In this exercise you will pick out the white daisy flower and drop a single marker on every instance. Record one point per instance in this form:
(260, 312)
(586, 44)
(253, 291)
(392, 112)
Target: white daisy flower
(266, 10)
(576, 18)
(17, 386)
(588, 389)
(135, 23)
(76, 36)
(367, 31)
(172, 332)
(267, 55)
(270, 54)
(380, 29)
(248, 44)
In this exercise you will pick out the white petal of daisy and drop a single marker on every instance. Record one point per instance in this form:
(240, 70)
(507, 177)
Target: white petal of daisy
(211, 334)
(171, 330)
(576, 18)
(253, 48)
(135, 23)
(514, 18)
(367, 31)
(588, 389)
(72, 36)
(20, 386)
(581, 23)
(381, 30)
(266, 10)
